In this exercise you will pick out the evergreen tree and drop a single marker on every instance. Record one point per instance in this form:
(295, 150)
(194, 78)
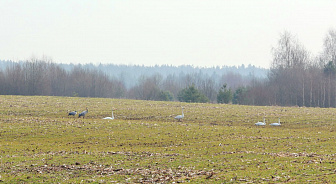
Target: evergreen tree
(224, 95)
(191, 94)
(165, 96)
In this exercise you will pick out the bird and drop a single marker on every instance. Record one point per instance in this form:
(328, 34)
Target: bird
(73, 113)
(261, 123)
(83, 113)
(276, 124)
(179, 117)
(112, 117)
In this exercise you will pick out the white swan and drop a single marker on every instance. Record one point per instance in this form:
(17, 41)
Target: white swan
(276, 124)
(179, 117)
(261, 123)
(110, 117)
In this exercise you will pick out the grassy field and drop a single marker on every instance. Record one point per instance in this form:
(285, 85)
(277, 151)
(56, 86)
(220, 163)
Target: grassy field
(144, 144)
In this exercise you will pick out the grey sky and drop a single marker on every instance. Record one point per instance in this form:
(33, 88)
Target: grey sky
(149, 32)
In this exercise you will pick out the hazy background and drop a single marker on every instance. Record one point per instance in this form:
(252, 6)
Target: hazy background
(149, 32)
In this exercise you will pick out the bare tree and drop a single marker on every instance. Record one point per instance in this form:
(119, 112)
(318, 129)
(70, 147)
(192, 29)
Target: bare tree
(329, 52)
(290, 60)
(328, 60)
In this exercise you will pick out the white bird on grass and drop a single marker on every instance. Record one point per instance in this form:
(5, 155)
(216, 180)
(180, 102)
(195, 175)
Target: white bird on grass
(276, 124)
(179, 117)
(261, 123)
(112, 117)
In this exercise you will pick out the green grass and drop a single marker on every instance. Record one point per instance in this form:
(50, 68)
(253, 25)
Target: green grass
(144, 144)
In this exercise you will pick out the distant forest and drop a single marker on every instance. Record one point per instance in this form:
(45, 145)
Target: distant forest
(44, 77)
(295, 78)
(130, 74)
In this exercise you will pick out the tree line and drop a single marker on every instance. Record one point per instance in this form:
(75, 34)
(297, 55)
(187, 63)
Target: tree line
(43, 77)
(130, 74)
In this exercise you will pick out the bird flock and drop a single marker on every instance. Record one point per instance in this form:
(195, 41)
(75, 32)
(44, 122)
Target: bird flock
(264, 123)
(82, 114)
(178, 117)
(73, 113)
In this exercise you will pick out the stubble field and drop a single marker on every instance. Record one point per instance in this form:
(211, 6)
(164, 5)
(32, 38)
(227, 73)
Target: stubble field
(214, 143)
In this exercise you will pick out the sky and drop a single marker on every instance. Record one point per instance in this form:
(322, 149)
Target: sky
(203, 33)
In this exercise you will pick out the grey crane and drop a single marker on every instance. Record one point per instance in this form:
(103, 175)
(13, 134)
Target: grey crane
(73, 113)
(83, 113)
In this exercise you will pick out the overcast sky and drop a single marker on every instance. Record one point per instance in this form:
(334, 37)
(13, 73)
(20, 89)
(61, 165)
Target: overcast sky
(194, 32)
